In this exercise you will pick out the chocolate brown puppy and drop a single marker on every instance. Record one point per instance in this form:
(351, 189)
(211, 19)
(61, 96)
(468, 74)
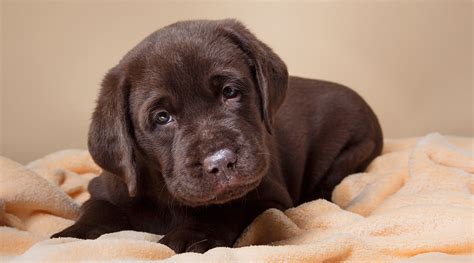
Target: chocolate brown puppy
(199, 129)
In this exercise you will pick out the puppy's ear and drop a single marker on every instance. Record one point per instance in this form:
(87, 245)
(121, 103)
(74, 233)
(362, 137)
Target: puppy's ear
(270, 71)
(110, 134)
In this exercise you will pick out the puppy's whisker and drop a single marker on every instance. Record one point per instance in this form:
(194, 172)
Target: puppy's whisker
(162, 188)
(172, 201)
(269, 154)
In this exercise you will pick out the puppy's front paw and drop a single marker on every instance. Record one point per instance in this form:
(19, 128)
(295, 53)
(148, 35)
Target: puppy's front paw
(82, 231)
(193, 238)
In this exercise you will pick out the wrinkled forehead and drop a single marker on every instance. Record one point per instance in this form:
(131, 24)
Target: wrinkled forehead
(181, 60)
(177, 64)
(182, 68)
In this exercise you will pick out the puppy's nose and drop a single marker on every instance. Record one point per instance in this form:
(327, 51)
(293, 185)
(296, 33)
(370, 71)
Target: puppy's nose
(220, 161)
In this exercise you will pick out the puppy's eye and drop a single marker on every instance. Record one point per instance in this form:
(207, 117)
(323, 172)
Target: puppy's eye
(230, 92)
(163, 117)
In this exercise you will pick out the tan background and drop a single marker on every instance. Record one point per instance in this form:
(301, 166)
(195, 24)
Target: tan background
(411, 60)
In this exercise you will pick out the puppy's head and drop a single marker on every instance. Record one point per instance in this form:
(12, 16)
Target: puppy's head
(195, 101)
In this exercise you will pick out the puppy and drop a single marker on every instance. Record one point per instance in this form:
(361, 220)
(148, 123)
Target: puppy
(199, 129)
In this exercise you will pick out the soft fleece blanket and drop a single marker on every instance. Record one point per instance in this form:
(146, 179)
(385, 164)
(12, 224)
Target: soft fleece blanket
(415, 203)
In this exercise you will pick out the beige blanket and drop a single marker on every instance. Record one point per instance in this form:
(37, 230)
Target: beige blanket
(414, 203)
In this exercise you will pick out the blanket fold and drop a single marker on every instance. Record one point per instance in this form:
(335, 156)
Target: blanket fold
(413, 203)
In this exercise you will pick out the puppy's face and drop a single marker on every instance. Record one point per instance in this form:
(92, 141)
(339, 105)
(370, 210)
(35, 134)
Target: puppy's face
(195, 109)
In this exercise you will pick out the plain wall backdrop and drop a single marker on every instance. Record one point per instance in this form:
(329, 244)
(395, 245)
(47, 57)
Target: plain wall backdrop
(411, 60)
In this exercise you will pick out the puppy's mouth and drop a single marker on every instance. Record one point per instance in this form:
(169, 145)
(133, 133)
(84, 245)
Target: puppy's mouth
(223, 192)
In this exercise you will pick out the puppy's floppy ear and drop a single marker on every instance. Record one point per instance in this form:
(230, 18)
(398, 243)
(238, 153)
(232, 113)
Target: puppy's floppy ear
(111, 133)
(270, 71)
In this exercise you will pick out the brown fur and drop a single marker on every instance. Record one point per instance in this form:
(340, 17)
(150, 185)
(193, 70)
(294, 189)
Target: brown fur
(293, 139)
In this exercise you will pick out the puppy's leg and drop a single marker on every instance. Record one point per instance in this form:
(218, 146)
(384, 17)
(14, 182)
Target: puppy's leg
(97, 217)
(353, 158)
(209, 228)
